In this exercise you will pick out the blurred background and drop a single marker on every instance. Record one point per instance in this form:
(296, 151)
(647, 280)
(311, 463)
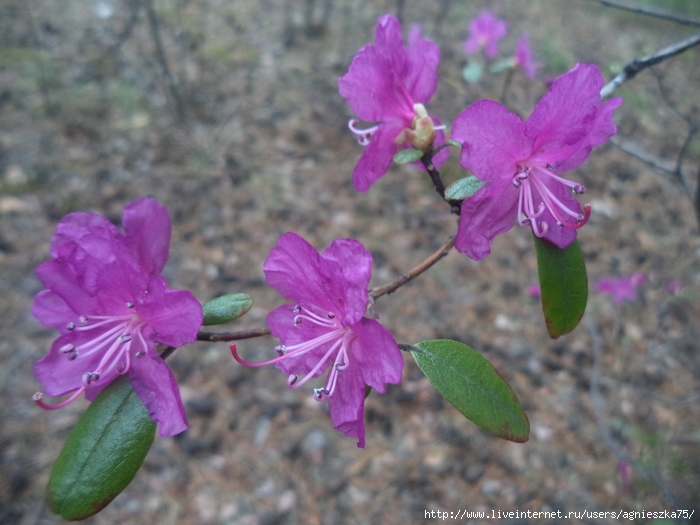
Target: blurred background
(228, 113)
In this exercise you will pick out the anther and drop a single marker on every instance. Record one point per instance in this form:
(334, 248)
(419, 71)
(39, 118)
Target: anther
(281, 349)
(124, 338)
(297, 320)
(297, 309)
(331, 315)
(67, 348)
(319, 393)
(129, 304)
(120, 367)
(292, 379)
(140, 354)
(83, 320)
(73, 356)
(71, 326)
(517, 183)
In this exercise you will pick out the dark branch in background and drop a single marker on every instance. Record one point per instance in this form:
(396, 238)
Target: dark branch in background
(391, 287)
(632, 69)
(598, 403)
(160, 56)
(214, 337)
(652, 11)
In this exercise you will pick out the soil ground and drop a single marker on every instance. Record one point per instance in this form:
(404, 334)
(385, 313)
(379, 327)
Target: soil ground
(244, 138)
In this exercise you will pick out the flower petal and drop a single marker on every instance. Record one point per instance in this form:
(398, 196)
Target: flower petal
(347, 268)
(293, 269)
(75, 226)
(489, 212)
(376, 353)
(156, 386)
(378, 155)
(492, 139)
(147, 226)
(51, 310)
(423, 59)
(347, 405)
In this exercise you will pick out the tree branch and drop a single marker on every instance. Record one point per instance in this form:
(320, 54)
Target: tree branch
(391, 287)
(652, 11)
(217, 337)
(636, 66)
(427, 160)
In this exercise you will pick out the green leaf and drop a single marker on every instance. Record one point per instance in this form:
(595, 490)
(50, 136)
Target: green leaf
(472, 72)
(102, 454)
(226, 308)
(564, 285)
(463, 188)
(502, 65)
(467, 380)
(405, 156)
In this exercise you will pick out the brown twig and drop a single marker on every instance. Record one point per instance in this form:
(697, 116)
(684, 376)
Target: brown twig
(636, 66)
(427, 160)
(391, 287)
(652, 11)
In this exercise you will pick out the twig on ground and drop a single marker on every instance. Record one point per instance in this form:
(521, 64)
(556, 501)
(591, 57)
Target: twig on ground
(640, 64)
(652, 11)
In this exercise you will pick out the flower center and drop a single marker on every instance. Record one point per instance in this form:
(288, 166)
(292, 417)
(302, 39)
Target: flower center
(339, 337)
(532, 183)
(113, 337)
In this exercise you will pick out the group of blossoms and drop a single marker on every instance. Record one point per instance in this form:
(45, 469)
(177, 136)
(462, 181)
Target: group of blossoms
(106, 296)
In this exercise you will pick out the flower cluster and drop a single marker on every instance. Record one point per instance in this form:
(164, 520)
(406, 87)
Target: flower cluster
(622, 289)
(390, 84)
(325, 327)
(522, 162)
(485, 31)
(106, 297)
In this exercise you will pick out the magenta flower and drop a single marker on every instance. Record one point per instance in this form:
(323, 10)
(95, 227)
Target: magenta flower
(389, 84)
(623, 289)
(524, 59)
(484, 32)
(326, 327)
(521, 162)
(107, 299)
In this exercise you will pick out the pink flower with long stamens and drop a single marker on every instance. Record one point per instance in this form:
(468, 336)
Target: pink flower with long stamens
(521, 162)
(623, 289)
(106, 297)
(485, 31)
(326, 327)
(389, 84)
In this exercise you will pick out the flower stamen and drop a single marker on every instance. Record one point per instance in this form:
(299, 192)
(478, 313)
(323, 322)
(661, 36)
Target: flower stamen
(363, 135)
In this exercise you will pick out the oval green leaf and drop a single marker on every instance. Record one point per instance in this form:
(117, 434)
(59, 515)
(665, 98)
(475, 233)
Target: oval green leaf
(467, 380)
(102, 454)
(226, 308)
(564, 285)
(405, 156)
(463, 188)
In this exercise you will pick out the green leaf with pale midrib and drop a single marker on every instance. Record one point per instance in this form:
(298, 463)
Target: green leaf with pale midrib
(467, 380)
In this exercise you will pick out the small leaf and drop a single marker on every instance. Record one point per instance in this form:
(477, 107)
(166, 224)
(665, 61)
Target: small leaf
(453, 143)
(564, 285)
(463, 188)
(102, 454)
(467, 380)
(405, 156)
(472, 72)
(226, 308)
(502, 65)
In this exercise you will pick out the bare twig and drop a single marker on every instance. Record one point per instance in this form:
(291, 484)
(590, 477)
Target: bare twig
(640, 152)
(632, 69)
(652, 11)
(391, 287)
(160, 56)
(427, 160)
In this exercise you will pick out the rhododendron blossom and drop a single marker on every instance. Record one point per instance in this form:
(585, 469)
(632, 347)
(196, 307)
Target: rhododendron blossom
(524, 59)
(521, 162)
(106, 297)
(390, 84)
(623, 289)
(485, 31)
(325, 327)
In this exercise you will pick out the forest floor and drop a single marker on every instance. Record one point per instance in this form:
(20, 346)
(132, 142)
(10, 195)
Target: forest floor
(247, 140)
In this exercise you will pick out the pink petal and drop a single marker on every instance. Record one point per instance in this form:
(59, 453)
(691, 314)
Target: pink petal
(156, 386)
(378, 155)
(174, 316)
(75, 226)
(51, 310)
(423, 58)
(147, 226)
(376, 353)
(347, 405)
(489, 212)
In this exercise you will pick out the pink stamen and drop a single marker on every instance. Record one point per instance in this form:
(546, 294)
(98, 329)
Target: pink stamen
(363, 135)
(39, 400)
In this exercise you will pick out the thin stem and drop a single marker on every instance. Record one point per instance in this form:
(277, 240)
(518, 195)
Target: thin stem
(652, 11)
(640, 64)
(214, 337)
(391, 287)
(427, 160)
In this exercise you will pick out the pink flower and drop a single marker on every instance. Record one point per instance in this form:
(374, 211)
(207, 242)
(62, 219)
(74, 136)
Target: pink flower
(107, 299)
(534, 290)
(484, 32)
(524, 59)
(325, 326)
(389, 84)
(623, 289)
(521, 162)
